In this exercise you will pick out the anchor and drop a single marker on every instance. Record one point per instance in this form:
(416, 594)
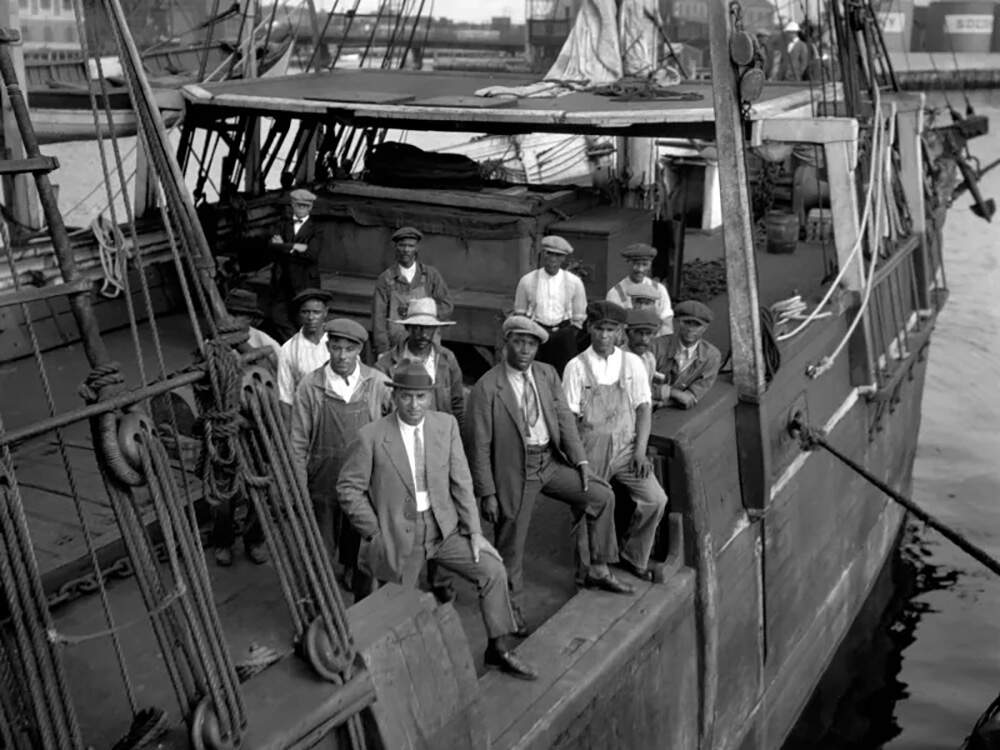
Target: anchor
(983, 208)
(967, 127)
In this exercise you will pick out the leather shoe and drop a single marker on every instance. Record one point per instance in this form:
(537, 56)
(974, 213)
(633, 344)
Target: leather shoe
(508, 663)
(643, 574)
(257, 553)
(223, 556)
(608, 583)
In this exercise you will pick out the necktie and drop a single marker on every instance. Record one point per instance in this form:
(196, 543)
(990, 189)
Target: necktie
(530, 403)
(420, 464)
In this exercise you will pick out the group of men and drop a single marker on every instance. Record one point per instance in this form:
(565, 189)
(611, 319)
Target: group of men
(401, 466)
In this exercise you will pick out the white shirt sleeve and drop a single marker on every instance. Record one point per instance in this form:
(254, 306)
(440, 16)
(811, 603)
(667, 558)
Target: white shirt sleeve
(286, 385)
(572, 384)
(521, 298)
(666, 309)
(578, 313)
(637, 380)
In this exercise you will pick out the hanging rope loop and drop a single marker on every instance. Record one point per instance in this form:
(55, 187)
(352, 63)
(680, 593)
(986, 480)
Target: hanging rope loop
(221, 422)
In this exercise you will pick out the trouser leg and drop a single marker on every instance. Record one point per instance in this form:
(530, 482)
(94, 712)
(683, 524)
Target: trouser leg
(650, 503)
(223, 533)
(253, 534)
(511, 535)
(490, 578)
(596, 540)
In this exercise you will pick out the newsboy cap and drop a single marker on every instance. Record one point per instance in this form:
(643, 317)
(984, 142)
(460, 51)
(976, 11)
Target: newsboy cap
(692, 308)
(639, 250)
(644, 318)
(407, 233)
(604, 311)
(411, 376)
(554, 244)
(301, 195)
(242, 302)
(524, 324)
(345, 328)
(311, 293)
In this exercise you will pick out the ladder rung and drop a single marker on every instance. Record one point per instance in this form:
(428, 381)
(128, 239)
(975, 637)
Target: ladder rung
(35, 164)
(26, 295)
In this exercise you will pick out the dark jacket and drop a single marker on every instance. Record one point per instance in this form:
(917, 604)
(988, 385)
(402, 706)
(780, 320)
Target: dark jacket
(494, 433)
(449, 396)
(697, 379)
(390, 291)
(293, 272)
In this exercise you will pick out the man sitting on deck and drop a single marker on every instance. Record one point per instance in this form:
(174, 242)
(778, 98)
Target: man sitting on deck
(406, 488)
(628, 293)
(306, 350)
(690, 363)
(397, 285)
(608, 390)
(522, 441)
(641, 329)
(296, 247)
(242, 305)
(556, 300)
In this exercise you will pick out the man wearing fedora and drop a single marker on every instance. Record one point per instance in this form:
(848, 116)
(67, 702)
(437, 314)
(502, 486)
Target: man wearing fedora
(609, 391)
(406, 280)
(296, 248)
(422, 324)
(689, 363)
(639, 289)
(242, 305)
(331, 404)
(306, 350)
(522, 440)
(407, 490)
(556, 300)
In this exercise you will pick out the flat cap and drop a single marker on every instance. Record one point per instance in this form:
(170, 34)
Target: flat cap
(311, 293)
(345, 328)
(639, 250)
(604, 311)
(242, 302)
(692, 308)
(640, 291)
(524, 324)
(301, 195)
(644, 318)
(554, 244)
(407, 233)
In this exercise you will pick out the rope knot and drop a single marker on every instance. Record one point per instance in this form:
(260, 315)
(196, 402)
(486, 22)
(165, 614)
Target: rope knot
(221, 422)
(810, 438)
(106, 376)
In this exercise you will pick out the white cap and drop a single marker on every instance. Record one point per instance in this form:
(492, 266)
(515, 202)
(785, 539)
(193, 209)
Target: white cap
(791, 26)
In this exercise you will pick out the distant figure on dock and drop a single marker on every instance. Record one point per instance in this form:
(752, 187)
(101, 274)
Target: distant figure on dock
(242, 305)
(690, 363)
(396, 286)
(556, 300)
(406, 488)
(794, 58)
(640, 257)
(306, 350)
(522, 440)
(641, 331)
(608, 390)
(331, 405)
(422, 325)
(296, 247)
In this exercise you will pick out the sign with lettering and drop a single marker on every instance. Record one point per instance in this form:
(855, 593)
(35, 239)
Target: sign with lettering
(892, 22)
(969, 23)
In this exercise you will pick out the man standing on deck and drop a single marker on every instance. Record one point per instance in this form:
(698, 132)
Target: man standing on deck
(556, 300)
(296, 247)
(307, 349)
(640, 256)
(331, 405)
(397, 285)
(242, 305)
(522, 440)
(421, 324)
(608, 390)
(689, 363)
(794, 60)
(406, 488)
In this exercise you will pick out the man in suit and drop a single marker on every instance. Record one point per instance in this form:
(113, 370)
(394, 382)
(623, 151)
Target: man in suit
(406, 488)
(296, 248)
(690, 363)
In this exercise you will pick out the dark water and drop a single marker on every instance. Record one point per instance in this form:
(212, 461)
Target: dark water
(916, 677)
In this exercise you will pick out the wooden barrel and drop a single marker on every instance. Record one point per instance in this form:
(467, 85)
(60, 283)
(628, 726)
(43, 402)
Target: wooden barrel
(782, 232)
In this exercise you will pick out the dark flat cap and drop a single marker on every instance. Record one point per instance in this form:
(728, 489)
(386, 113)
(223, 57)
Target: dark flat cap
(407, 233)
(524, 324)
(345, 328)
(692, 308)
(603, 311)
(644, 318)
(411, 376)
(307, 294)
(639, 250)
(242, 302)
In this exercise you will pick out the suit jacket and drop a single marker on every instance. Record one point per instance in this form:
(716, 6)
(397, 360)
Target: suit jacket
(293, 272)
(494, 432)
(698, 378)
(449, 395)
(376, 490)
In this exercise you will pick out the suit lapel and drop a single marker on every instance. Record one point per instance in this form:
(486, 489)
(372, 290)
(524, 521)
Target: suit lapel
(393, 444)
(509, 400)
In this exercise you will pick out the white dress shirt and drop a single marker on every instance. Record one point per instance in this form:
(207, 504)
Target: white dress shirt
(258, 340)
(684, 356)
(341, 386)
(297, 225)
(297, 358)
(606, 372)
(407, 431)
(408, 273)
(538, 433)
(551, 299)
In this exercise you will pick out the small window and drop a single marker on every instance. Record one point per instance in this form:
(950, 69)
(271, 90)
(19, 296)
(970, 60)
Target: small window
(70, 34)
(48, 35)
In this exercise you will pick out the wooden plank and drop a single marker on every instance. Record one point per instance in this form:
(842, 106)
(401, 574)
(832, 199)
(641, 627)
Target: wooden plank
(805, 130)
(394, 695)
(476, 102)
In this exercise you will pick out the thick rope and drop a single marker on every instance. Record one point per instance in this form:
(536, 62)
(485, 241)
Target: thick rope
(220, 466)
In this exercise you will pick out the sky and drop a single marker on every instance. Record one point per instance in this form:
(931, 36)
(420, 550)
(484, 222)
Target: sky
(459, 10)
